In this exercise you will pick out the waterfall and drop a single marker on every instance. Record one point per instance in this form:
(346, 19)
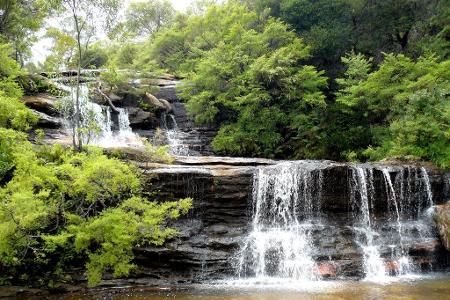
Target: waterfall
(426, 181)
(286, 207)
(175, 136)
(388, 217)
(406, 223)
(372, 262)
(97, 121)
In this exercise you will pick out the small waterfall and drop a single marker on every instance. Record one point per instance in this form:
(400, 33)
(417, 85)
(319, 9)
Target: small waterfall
(374, 267)
(174, 136)
(97, 121)
(426, 181)
(399, 256)
(286, 207)
(406, 224)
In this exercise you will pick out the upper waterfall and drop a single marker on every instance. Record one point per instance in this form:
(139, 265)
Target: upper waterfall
(100, 126)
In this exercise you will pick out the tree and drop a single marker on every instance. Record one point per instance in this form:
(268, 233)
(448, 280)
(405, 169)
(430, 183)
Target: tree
(86, 19)
(335, 27)
(20, 19)
(144, 19)
(248, 76)
(62, 50)
(392, 104)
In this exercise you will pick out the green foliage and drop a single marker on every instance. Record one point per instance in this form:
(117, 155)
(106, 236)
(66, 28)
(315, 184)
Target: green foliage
(178, 48)
(147, 18)
(248, 75)
(126, 55)
(14, 114)
(11, 143)
(94, 57)
(116, 231)
(403, 105)
(335, 27)
(112, 77)
(9, 70)
(61, 206)
(62, 50)
(19, 20)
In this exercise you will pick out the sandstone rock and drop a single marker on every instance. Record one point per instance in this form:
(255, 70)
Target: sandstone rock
(327, 270)
(167, 105)
(46, 121)
(44, 103)
(154, 102)
(443, 223)
(392, 267)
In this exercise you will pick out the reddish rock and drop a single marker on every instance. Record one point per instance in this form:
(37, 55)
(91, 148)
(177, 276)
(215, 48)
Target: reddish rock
(391, 267)
(327, 270)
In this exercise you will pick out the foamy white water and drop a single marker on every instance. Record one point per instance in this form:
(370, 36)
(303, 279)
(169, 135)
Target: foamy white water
(99, 127)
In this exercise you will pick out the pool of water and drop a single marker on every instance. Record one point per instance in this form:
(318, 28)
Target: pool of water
(428, 287)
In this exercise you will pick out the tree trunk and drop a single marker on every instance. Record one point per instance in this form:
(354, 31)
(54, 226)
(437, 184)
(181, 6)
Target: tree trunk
(79, 138)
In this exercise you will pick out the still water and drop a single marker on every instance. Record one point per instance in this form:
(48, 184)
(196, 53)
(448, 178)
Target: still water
(436, 287)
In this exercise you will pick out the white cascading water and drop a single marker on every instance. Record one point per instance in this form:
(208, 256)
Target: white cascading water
(362, 184)
(287, 197)
(98, 120)
(286, 201)
(174, 136)
(407, 223)
(399, 255)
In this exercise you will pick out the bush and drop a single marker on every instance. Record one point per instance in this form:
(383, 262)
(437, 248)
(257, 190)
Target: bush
(61, 207)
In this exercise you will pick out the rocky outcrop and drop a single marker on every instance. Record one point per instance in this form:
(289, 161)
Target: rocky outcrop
(46, 121)
(44, 103)
(140, 118)
(443, 223)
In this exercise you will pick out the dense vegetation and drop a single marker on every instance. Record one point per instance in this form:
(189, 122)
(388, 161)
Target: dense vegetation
(259, 79)
(61, 209)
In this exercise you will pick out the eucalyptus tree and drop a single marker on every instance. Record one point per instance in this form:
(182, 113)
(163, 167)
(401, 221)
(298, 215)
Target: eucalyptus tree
(20, 20)
(146, 18)
(89, 18)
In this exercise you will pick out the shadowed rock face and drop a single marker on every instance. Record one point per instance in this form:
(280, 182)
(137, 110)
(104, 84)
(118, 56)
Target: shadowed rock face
(213, 233)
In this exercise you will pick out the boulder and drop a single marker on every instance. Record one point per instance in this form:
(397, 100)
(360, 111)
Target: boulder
(44, 103)
(154, 102)
(167, 105)
(140, 118)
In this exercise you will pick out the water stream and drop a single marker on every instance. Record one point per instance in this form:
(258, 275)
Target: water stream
(175, 137)
(101, 127)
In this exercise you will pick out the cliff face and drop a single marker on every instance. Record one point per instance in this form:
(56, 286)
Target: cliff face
(213, 234)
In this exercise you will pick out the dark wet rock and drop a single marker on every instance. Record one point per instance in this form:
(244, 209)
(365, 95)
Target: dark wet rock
(140, 118)
(46, 121)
